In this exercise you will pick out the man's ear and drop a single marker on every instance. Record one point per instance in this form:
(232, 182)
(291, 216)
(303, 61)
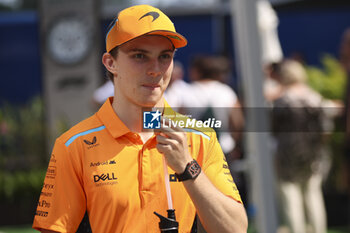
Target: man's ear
(109, 62)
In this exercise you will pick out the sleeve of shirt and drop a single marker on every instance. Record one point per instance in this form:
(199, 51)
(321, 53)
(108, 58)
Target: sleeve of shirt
(231, 97)
(217, 170)
(62, 203)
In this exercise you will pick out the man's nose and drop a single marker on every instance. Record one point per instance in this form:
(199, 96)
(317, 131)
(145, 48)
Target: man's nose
(154, 69)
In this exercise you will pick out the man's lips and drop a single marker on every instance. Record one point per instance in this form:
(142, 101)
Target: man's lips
(151, 86)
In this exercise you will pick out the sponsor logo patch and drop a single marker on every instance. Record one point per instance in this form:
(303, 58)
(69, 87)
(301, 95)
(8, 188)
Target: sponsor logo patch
(91, 144)
(48, 186)
(105, 179)
(96, 164)
(51, 172)
(41, 213)
(94, 140)
(154, 14)
(45, 194)
(44, 204)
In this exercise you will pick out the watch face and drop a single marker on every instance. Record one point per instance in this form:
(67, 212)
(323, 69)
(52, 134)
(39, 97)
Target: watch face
(69, 40)
(194, 168)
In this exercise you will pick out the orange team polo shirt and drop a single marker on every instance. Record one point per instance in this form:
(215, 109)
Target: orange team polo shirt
(101, 167)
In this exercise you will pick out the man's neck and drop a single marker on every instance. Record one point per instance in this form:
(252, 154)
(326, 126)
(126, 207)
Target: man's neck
(132, 116)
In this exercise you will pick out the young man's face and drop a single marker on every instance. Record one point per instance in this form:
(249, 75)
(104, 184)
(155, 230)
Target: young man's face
(144, 66)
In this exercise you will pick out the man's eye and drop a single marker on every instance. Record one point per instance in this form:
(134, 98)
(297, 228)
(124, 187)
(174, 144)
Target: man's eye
(139, 56)
(165, 56)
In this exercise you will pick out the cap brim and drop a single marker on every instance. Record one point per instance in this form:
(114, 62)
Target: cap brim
(177, 39)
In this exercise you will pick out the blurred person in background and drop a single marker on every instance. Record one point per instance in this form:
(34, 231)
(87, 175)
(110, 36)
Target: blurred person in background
(272, 87)
(302, 159)
(208, 96)
(113, 169)
(102, 93)
(177, 86)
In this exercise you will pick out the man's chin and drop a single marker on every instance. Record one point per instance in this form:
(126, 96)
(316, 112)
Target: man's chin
(152, 102)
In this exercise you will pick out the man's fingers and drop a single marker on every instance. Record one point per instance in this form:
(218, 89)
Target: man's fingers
(172, 131)
(169, 124)
(169, 133)
(164, 144)
(163, 148)
(166, 141)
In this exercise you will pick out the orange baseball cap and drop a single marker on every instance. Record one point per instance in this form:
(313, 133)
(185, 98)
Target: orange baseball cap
(140, 20)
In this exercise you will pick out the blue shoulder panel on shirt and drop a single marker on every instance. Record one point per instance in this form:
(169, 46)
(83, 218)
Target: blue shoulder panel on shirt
(196, 132)
(83, 133)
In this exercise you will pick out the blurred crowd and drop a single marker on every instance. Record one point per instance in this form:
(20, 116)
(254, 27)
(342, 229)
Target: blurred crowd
(300, 124)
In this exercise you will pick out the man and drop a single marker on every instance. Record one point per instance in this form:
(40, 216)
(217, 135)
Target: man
(109, 166)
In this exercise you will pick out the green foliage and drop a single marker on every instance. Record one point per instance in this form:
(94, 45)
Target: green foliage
(22, 132)
(22, 149)
(23, 159)
(20, 184)
(19, 229)
(19, 193)
(330, 81)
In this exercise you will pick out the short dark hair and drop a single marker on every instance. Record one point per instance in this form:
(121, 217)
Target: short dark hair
(114, 53)
(212, 67)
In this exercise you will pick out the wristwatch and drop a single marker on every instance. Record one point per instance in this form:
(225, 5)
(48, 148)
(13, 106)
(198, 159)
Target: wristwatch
(192, 170)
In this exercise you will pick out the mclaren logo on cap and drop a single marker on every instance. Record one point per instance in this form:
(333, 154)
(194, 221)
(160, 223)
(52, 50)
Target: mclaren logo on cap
(154, 14)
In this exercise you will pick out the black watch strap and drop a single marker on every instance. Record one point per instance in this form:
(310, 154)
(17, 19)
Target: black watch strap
(192, 170)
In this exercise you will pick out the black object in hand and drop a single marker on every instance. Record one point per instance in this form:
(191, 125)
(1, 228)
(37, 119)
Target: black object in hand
(169, 224)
